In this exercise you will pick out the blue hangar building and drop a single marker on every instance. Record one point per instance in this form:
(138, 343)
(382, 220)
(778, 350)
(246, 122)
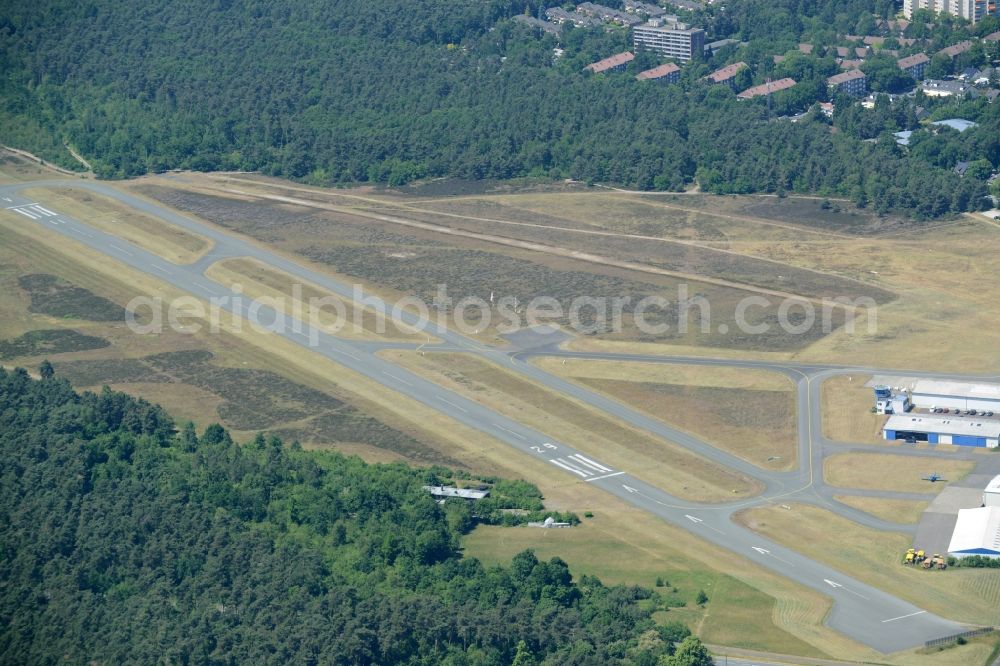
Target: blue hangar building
(934, 429)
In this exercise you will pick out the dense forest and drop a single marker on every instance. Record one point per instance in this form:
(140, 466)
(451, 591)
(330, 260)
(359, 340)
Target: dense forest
(358, 91)
(128, 540)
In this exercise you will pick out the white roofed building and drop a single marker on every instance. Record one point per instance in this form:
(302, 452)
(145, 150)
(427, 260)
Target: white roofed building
(977, 532)
(934, 429)
(956, 395)
(991, 494)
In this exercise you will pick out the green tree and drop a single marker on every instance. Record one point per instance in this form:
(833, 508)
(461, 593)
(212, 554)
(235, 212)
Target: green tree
(691, 652)
(45, 370)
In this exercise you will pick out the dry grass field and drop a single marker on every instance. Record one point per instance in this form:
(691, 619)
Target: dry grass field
(887, 471)
(966, 595)
(614, 442)
(151, 234)
(17, 169)
(847, 410)
(749, 413)
(896, 511)
(293, 295)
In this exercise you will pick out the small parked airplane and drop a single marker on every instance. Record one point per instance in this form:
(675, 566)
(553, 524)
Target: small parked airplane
(934, 478)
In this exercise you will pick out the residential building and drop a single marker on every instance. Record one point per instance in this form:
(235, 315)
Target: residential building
(851, 82)
(807, 49)
(668, 73)
(992, 37)
(615, 63)
(851, 64)
(689, 5)
(727, 74)
(532, 22)
(970, 10)
(607, 14)
(673, 40)
(636, 7)
(956, 49)
(766, 89)
(712, 47)
(558, 15)
(914, 65)
(941, 88)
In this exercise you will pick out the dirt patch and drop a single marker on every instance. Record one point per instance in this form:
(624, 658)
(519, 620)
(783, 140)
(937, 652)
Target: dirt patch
(58, 298)
(50, 341)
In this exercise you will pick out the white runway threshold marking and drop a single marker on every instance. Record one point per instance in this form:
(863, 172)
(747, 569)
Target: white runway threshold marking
(559, 462)
(590, 463)
(903, 617)
(605, 476)
(24, 212)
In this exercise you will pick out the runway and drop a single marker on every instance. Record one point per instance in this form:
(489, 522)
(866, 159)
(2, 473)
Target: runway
(860, 611)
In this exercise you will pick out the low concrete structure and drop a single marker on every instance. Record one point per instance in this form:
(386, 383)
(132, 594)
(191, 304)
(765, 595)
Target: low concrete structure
(450, 492)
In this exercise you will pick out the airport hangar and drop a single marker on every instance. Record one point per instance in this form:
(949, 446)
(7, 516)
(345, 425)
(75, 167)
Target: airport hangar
(952, 428)
(943, 430)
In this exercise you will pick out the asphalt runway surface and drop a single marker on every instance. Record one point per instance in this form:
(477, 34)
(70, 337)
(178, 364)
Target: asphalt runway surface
(860, 611)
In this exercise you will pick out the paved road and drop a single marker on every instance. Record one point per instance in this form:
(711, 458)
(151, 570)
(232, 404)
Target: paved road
(860, 611)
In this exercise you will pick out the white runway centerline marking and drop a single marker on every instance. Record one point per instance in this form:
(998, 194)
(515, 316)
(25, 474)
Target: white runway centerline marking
(121, 249)
(451, 404)
(508, 430)
(902, 617)
(161, 269)
(398, 379)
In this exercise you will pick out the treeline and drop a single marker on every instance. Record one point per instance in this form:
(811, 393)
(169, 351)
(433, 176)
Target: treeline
(128, 540)
(352, 92)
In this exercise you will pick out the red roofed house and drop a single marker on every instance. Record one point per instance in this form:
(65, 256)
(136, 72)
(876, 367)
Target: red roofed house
(668, 73)
(914, 65)
(956, 49)
(615, 63)
(852, 82)
(765, 89)
(727, 74)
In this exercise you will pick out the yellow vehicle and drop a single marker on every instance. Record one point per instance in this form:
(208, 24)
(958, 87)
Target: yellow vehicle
(910, 556)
